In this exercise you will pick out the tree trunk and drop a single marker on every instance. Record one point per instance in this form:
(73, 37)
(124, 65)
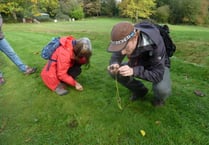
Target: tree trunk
(14, 16)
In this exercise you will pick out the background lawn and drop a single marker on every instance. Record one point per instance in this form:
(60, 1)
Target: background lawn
(31, 114)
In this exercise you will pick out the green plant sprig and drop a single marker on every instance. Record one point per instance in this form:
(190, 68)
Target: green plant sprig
(117, 95)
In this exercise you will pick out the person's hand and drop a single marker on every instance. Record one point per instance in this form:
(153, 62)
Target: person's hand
(126, 70)
(113, 68)
(78, 87)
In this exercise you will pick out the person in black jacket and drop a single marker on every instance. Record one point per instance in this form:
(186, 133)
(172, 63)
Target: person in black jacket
(147, 60)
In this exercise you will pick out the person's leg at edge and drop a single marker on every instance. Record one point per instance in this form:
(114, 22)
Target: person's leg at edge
(162, 90)
(8, 50)
(2, 81)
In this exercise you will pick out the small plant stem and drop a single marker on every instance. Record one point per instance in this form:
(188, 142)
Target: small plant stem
(118, 98)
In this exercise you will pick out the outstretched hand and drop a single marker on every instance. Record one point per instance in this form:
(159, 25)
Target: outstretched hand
(113, 68)
(78, 87)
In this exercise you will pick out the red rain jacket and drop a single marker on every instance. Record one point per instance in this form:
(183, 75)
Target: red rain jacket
(57, 71)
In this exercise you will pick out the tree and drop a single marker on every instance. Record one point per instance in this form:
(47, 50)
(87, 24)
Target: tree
(160, 3)
(203, 15)
(27, 8)
(109, 8)
(10, 8)
(162, 13)
(48, 6)
(123, 7)
(70, 8)
(191, 10)
(77, 13)
(137, 8)
(184, 11)
(92, 7)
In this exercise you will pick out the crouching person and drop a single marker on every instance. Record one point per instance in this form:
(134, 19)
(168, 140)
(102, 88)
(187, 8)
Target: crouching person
(147, 60)
(65, 64)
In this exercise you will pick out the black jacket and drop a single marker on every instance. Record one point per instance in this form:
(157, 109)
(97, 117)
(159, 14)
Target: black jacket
(147, 60)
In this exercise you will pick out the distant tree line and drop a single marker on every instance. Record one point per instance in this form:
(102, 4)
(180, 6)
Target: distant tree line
(166, 11)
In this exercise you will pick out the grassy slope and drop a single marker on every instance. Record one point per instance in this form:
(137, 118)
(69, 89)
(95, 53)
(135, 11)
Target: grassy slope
(30, 114)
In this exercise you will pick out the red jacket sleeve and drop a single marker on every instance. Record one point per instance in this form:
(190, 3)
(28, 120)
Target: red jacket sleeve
(65, 60)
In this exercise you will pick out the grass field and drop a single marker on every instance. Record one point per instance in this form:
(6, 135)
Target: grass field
(30, 114)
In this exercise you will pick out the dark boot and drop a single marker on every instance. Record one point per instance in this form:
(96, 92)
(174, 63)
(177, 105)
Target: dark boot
(158, 102)
(139, 94)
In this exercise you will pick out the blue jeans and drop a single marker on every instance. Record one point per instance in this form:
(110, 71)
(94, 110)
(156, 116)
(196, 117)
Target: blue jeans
(8, 50)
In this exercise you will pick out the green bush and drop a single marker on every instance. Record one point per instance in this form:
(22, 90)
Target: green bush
(162, 14)
(61, 16)
(77, 13)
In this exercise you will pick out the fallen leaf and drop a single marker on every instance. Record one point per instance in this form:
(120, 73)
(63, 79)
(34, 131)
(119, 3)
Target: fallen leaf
(199, 93)
(142, 132)
(28, 139)
(35, 52)
(73, 124)
(157, 122)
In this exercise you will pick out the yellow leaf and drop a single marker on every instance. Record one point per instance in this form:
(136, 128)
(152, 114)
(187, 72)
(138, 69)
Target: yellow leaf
(157, 122)
(142, 132)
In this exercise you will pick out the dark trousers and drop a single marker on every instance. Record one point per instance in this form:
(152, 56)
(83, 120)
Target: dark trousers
(74, 71)
(135, 86)
(161, 90)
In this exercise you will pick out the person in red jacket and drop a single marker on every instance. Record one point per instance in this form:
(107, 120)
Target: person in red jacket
(65, 64)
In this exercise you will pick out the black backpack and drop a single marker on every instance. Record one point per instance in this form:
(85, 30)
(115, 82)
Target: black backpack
(169, 45)
(164, 31)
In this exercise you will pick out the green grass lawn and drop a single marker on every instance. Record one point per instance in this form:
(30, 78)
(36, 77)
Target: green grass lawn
(31, 114)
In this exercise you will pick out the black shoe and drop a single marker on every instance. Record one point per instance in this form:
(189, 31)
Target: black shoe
(158, 103)
(140, 94)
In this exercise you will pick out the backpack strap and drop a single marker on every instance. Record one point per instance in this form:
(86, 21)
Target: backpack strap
(49, 63)
(53, 60)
